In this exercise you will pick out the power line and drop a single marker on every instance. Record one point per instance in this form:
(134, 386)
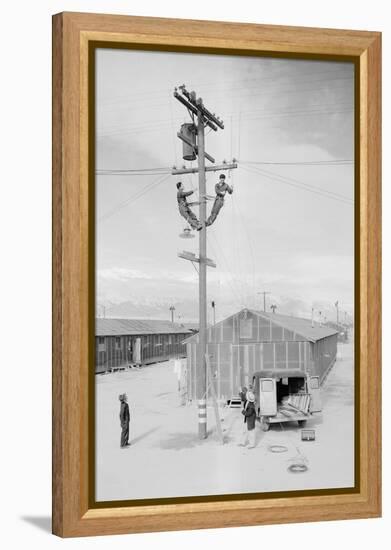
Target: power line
(134, 197)
(340, 162)
(218, 252)
(157, 125)
(310, 187)
(162, 170)
(132, 173)
(130, 97)
(100, 170)
(172, 130)
(249, 240)
(299, 185)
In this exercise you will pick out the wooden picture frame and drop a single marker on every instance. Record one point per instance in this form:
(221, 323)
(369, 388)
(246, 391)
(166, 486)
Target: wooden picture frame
(73, 299)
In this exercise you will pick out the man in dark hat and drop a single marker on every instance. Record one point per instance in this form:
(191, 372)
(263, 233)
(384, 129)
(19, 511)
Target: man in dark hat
(124, 416)
(184, 208)
(221, 189)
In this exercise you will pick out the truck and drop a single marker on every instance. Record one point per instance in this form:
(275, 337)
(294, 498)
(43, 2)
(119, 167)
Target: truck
(282, 396)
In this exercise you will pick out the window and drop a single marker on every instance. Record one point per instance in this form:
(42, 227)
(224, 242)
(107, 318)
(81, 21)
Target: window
(314, 383)
(267, 385)
(117, 342)
(246, 328)
(101, 343)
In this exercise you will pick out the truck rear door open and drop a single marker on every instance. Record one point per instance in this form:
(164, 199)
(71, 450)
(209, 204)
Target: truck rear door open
(267, 397)
(314, 391)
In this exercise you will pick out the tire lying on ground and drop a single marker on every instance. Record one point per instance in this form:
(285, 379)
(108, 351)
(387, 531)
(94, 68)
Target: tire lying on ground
(298, 468)
(277, 448)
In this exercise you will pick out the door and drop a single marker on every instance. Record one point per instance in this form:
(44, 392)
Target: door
(314, 391)
(130, 351)
(267, 397)
(137, 351)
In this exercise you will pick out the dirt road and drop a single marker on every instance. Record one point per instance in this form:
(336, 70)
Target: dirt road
(166, 459)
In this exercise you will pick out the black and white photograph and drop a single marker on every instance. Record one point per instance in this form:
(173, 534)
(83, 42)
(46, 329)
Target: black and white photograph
(224, 275)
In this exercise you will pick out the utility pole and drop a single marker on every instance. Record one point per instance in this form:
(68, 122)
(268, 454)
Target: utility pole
(172, 309)
(202, 429)
(103, 311)
(336, 305)
(264, 298)
(214, 311)
(196, 142)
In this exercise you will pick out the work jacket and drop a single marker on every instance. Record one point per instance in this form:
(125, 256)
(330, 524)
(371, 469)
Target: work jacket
(222, 188)
(124, 414)
(250, 415)
(181, 196)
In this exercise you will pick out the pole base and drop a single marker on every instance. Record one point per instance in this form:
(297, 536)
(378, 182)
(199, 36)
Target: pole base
(202, 433)
(202, 430)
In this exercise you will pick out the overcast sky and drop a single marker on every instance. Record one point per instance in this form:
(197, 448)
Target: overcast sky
(287, 229)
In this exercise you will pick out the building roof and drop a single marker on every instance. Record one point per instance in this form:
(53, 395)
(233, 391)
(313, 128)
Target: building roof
(129, 327)
(299, 325)
(338, 326)
(194, 327)
(279, 373)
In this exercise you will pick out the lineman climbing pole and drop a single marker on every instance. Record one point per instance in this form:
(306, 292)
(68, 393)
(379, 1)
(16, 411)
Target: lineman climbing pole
(201, 118)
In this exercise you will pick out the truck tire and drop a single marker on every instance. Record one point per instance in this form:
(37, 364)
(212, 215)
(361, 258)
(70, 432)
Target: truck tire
(265, 425)
(302, 423)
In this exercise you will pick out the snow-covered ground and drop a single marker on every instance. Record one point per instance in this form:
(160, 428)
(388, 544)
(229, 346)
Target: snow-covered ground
(166, 458)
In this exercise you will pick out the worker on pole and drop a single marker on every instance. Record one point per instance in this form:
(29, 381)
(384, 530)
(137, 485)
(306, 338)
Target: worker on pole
(184, 208)
(221, 189)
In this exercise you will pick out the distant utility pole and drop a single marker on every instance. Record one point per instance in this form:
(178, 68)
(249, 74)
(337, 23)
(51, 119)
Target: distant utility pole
(214, 311)
(264, 298)
(195, 141)
(103, 311)
(172, 309)
(336, 305)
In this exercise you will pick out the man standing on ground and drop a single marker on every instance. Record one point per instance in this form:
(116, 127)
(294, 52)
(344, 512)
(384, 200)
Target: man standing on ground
(124, 416)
